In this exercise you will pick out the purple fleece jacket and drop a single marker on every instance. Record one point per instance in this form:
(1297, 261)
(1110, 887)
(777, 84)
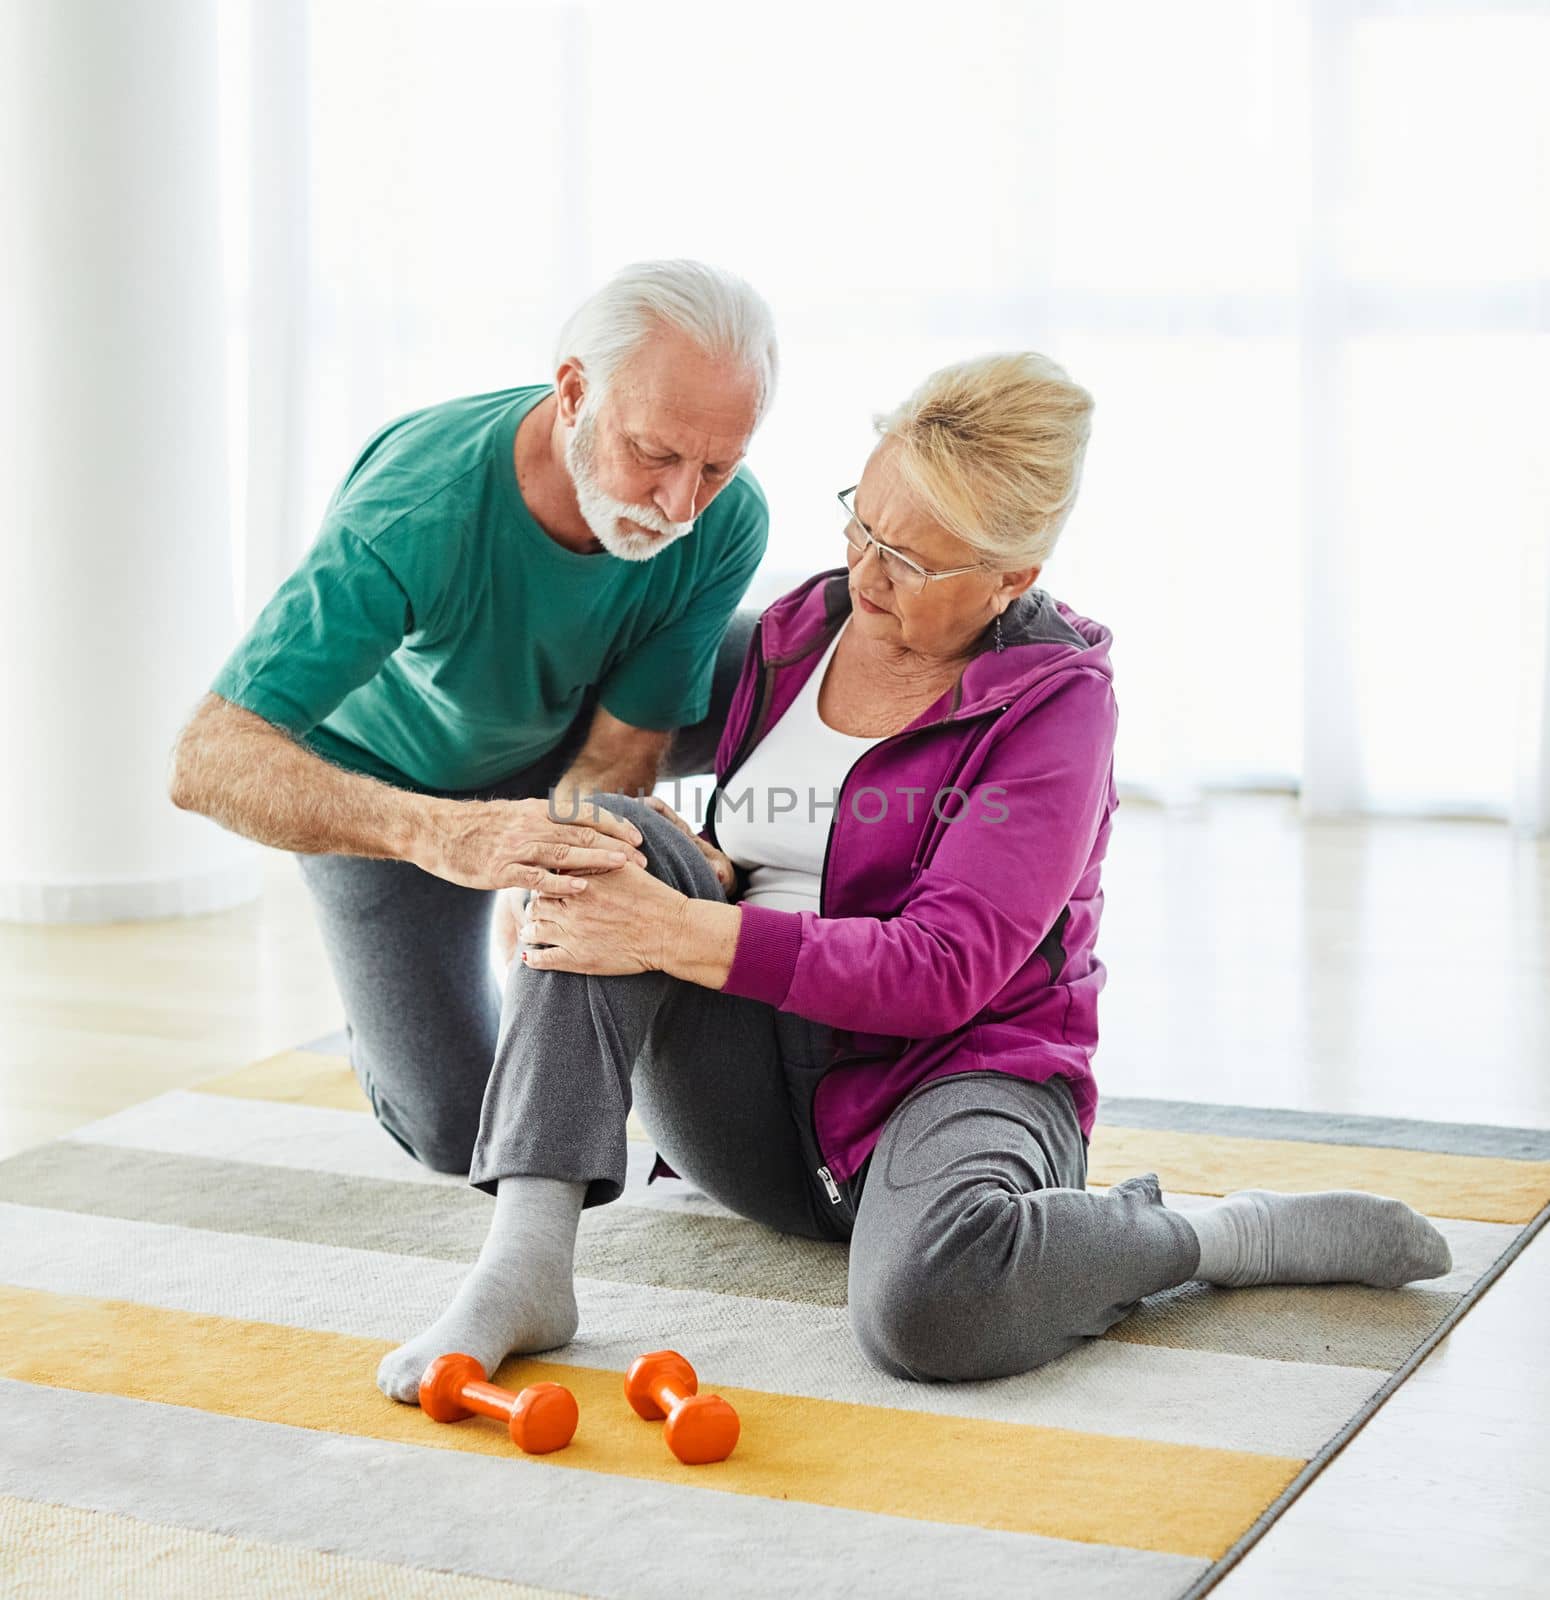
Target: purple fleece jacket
(956, 931)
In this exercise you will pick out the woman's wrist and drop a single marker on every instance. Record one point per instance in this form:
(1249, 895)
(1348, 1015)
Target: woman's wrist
(701, 941)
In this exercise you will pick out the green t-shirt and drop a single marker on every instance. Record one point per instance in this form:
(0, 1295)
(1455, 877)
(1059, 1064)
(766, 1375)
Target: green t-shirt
(436, 637)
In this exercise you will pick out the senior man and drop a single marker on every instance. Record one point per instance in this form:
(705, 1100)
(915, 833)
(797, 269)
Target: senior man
(515, 599)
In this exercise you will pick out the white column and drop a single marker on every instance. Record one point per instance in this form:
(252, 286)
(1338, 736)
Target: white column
(1529, 809)
(1333, 780)
(115, 565)
(278, 314)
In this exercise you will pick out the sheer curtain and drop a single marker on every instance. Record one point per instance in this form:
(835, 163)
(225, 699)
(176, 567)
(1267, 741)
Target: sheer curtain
(1300, 254)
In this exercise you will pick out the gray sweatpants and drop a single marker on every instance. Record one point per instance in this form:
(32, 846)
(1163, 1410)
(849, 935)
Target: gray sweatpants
(975, 1249)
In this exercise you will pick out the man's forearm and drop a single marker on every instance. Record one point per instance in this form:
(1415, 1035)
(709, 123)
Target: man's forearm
(254, 779)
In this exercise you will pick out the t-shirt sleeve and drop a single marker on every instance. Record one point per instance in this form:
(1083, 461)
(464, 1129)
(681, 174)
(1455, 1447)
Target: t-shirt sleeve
(665, 681)
(327, 629)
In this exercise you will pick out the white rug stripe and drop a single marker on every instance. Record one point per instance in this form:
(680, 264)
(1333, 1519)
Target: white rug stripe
(516, 1519)
(1228, 1402)
(267, 1133)
(349, 1144)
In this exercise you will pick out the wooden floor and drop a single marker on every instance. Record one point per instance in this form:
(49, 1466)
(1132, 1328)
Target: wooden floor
(1377, 967)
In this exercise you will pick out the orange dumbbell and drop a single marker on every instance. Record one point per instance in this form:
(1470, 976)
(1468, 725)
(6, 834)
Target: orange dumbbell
(540, 1419)
(700, 1427)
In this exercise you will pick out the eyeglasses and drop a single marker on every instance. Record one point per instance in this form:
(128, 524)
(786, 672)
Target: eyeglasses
(899, 570)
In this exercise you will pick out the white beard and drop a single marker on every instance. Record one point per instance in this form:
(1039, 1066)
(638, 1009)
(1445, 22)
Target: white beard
(602, 513)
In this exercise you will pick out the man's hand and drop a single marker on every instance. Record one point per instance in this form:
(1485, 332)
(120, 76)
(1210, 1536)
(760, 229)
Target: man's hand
(504, 844)
(721, 863)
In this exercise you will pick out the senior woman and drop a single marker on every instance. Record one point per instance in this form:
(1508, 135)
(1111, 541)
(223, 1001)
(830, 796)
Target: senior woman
(863, 1004)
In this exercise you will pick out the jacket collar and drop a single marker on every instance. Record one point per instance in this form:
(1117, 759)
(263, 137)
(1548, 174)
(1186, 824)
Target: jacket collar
(1041, 636)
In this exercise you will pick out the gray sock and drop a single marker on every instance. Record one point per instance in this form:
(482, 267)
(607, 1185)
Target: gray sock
(1336, 1236)
(519, 1296)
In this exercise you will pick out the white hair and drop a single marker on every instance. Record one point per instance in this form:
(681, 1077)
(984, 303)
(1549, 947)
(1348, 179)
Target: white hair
(720, 312)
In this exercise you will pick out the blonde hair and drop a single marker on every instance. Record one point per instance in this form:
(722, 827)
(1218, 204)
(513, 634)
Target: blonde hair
(993, 448)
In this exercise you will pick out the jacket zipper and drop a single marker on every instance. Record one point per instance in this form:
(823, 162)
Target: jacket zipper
(756, 711)
(756, 714)
(825, 1177)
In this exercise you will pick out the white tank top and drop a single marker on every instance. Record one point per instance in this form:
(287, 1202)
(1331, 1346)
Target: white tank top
(773, 817)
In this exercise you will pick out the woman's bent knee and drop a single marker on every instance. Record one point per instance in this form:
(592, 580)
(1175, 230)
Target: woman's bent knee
(630, 807)
(933, 1340)
(903, 1321)
(924, 1314)
(670, 854)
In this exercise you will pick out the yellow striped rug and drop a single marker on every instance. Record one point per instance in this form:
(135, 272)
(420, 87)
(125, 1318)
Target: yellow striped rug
(195, 1293)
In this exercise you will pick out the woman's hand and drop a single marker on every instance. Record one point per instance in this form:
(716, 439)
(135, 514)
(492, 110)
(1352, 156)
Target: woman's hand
(720, 862)
(625, 922)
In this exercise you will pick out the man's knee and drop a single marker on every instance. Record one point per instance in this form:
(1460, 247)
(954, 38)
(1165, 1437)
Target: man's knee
(441, 1137)
(442, 1149)
(453, 1158)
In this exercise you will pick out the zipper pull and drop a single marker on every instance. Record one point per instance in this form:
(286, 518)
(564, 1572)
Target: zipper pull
(828, 1183)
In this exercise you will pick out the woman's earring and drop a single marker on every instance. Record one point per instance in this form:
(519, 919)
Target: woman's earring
(998, 633)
